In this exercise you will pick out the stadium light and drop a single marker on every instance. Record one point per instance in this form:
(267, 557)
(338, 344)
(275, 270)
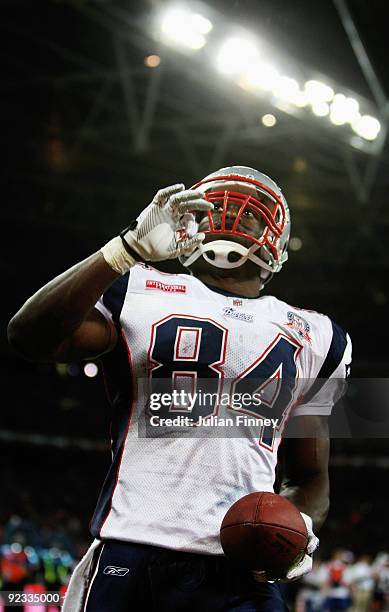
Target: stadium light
(260, 75)
(200, 24)
(318, 92)
(367, 127)
(240, 57)
(182, 27)
(269, 120)
(285, 88)
(344, 110)
(235, 54)
(299, 99)
(320, 108)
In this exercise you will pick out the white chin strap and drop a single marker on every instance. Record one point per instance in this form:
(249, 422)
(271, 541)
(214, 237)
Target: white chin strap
(216, 253)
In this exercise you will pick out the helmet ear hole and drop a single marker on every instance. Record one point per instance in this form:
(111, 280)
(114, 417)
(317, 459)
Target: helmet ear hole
(211, 255)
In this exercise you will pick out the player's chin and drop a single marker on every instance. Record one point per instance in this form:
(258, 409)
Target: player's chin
(247, 269)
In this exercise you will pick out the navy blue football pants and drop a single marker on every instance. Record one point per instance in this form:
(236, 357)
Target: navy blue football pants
(128, 577)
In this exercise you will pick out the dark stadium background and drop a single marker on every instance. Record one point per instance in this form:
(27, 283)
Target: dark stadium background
(76, 171)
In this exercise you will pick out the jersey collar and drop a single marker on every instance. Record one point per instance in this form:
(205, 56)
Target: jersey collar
(229, 293)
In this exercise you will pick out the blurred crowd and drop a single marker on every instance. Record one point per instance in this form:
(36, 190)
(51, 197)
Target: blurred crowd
(38, 557)
(346, 582)
(31, 553)
(45, 508)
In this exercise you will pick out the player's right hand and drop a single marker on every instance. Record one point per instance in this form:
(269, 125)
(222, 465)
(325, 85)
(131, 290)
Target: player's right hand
(155, 235)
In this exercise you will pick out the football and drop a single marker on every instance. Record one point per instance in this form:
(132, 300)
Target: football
(264, 532)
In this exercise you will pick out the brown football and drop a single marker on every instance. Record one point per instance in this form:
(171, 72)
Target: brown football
(264, 532)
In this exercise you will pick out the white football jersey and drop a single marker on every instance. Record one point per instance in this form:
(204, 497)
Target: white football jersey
(173, 490)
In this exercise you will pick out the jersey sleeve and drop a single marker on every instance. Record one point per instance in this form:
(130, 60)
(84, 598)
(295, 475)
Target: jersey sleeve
(330, 383)
(111, 302)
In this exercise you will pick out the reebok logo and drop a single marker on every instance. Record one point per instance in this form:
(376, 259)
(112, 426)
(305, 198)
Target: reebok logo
(154, 284)
(238, 314)
(112, 570)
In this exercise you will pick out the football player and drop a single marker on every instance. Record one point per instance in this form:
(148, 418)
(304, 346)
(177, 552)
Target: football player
(157, 520)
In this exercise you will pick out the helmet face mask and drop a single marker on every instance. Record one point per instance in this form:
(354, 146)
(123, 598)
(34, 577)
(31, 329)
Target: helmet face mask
(250, 220)
(237, 214)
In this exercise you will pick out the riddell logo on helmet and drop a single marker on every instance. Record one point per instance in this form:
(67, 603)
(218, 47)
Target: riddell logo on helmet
(154, 284)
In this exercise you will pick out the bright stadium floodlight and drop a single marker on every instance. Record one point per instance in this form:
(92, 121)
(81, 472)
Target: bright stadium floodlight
(200, 24)
(181, 27)
(344, 110)
(241, 58)
(320, 108)
(300, 99)
(318, 92)
(235, 55)
(367, 127)
(261, 75)
(353, 113)
(286, 88)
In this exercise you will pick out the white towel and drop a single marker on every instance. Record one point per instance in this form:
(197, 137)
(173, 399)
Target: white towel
(79, 582)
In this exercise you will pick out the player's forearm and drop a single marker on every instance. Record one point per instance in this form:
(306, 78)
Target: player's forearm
(303, 467)
(311, 496)
(55, 311)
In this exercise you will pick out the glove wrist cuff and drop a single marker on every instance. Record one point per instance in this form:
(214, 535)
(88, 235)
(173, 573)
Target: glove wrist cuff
(117, 256)
(307, 520)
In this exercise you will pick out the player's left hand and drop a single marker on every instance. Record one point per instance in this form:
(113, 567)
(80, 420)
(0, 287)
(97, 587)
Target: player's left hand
(302, 566)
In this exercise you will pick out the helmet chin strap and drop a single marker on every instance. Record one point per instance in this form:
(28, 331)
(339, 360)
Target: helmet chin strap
(216, 253)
